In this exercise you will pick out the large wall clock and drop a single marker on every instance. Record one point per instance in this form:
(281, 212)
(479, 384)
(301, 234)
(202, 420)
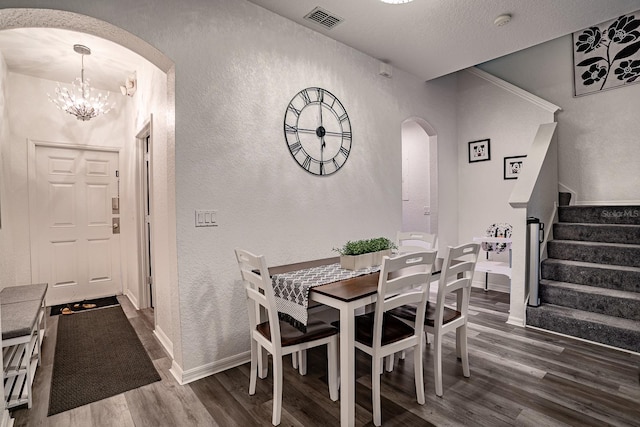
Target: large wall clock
(317, 131)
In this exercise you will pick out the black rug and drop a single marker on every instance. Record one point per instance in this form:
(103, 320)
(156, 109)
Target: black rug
(85, 305)
(98, 355)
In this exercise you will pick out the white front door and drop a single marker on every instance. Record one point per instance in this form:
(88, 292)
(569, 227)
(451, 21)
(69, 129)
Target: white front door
(74, 248)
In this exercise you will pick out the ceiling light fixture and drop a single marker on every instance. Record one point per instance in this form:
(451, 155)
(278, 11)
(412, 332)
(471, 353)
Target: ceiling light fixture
(84, 106)
(396, 1)
(502, 20)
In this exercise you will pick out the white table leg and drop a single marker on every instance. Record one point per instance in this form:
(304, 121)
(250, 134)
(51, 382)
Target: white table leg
(347, 366)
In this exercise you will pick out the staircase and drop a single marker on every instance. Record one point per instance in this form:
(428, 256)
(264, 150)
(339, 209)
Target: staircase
(590, 283)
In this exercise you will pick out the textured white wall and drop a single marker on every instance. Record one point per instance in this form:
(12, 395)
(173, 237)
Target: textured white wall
(237, 66)
(234, 159)
(151, 99)
(510, 122)
(415, 151)
(598, 134)
(7, 274)
(6, 259)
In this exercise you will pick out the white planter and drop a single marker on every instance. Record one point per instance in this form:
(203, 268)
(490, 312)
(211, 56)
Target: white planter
(377, 256)
(356, 262)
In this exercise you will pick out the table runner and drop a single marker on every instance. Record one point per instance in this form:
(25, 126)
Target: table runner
(292, 289)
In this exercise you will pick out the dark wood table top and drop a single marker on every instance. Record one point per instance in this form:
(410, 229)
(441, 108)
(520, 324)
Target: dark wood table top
(344, 290)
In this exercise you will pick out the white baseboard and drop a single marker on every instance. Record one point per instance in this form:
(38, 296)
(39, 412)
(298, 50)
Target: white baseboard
(583, 340)
(194, 374)
(176, 371)
(516, 321)
(6, 420)
(564, 189)
(164, 340)
(608, 203)
(133, 299)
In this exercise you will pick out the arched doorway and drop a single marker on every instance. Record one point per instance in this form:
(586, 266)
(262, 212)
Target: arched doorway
(419, 176)
(166, 313)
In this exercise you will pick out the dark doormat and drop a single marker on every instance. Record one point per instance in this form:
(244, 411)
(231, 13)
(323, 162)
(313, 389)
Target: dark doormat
(85, 305)
(98, 355)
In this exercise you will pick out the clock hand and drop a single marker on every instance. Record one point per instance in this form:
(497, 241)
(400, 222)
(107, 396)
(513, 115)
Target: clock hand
(306, 130)
(333, 133)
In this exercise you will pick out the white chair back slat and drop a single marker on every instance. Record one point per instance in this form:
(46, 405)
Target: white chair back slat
(415, 241)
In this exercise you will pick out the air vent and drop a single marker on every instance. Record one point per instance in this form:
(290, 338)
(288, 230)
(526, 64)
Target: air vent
(322, 17)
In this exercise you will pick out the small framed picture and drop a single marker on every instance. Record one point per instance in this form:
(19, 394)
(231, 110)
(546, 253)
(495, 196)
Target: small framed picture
(479, 151)
(513, 166)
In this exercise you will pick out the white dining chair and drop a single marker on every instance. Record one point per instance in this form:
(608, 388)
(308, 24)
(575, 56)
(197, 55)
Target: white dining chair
(277, 337)
(403, 280)
(455, 278)
(412, 241)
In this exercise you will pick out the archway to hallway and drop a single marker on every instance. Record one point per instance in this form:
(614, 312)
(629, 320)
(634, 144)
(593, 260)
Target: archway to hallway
(419, 176)
(164, 128)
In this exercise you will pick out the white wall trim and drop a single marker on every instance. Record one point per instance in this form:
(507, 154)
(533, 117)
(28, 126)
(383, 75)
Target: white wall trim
(546, 105)
(132, 299)
(176, 371)
(564, 189)
(164, 340)
(38, 143)
(552, 219)
(515, 321)
(6, 420)
(194, 374)
(526, 183)
(582, 339)
(609, 203)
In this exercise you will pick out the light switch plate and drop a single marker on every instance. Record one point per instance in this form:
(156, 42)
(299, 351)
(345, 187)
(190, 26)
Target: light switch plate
(206, 218)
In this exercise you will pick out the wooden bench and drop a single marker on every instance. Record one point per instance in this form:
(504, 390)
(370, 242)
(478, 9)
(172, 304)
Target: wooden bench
(23, 311)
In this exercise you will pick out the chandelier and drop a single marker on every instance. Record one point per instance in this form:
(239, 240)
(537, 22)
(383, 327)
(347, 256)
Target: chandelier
(79, 100)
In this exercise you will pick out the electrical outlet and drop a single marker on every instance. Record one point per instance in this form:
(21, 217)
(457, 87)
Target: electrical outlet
(427, 210)
(206, 218)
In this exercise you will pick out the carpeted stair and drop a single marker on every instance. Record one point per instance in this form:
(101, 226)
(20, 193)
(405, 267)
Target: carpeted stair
(590, 284)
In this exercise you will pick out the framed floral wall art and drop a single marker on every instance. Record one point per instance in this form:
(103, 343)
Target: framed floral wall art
(606, 56)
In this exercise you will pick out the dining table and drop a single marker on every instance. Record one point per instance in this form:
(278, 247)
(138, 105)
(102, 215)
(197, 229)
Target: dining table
(346, 296)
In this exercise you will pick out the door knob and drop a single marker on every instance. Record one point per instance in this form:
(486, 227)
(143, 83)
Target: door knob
(116, 225)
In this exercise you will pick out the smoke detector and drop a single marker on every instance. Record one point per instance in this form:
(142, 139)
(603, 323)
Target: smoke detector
(502, 20)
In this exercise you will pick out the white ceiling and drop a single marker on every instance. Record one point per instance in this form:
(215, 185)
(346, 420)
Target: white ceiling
(431, 38)
(48, 53)
(428, 38)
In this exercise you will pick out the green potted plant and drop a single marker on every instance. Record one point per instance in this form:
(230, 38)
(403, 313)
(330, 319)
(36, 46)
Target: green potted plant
(358, 254)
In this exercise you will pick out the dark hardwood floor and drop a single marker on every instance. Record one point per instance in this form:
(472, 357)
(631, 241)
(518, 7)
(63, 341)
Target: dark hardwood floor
(519, 377)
